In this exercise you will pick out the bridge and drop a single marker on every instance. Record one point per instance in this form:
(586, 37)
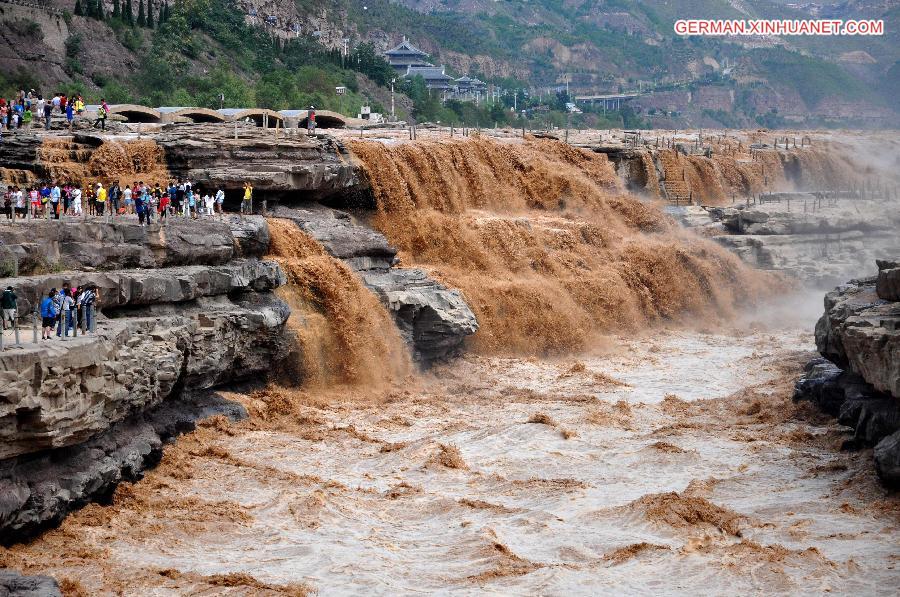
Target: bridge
(262, 117)
(611, 101)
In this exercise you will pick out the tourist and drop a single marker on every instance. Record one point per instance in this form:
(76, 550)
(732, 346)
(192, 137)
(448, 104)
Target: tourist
(220, 201)
(26, 118)
(8, 308)
(247, 203)
(127, 201)
(48, 110)
(85, 305)
(140, 205)
(35, 199)
(311, 121)
(88, 195)
(79, 105)
(192, 202)
(48, 315)
(76, 201)
(209, 203)
(39, 107)
(164, 206)
(55, 196)
(100, 199)
(67, 313)
(8, 204)
(173, 193)
(19, 198)
(179, 197)
(70, 115)
(102, 113)
(45, 200)
(114, 194)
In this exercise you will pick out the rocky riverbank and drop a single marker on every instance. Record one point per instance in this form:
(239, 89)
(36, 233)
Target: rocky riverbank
(819, 242)
(183, 308)
(858, 378)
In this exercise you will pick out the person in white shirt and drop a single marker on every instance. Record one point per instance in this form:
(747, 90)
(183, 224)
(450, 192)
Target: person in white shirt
(208, 202)
(220, 201)
(76, 201)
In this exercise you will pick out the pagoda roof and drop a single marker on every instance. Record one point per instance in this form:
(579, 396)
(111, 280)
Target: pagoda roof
(405, 48)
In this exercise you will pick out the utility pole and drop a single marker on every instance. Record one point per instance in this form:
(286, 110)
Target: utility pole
(393, 117)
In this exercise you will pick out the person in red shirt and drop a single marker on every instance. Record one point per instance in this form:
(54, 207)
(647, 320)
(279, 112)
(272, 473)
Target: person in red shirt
(164, 205)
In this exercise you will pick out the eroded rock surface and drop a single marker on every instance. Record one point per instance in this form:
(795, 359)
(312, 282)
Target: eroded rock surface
(433, 319)
(818, 242)
(13, 584)
(38, 490)
(858, 381)
(197, 311)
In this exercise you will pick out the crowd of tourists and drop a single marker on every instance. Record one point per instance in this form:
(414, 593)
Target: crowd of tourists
(30, 109)
(61, 311)
(148, 201)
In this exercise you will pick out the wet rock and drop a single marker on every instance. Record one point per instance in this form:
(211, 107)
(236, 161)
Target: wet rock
(887, 285)
(828, 386)
(13, 584)
(887, 460)
(358, 246)
(861, 332)
(37, 491)
(873, 417)
(433, 319)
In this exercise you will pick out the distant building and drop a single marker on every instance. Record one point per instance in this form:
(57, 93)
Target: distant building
(409, 61)
(406, 55)
(435, 77)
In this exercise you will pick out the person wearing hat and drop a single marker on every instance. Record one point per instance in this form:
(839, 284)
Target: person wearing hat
(8, 308)
(101, 199)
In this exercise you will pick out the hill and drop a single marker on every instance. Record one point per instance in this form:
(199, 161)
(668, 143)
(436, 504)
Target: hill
(283, 53)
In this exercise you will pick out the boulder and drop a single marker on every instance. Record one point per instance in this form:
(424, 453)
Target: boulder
(13, 584)
(887, 460)
(887, 285)
(433, 319)
(861, 332)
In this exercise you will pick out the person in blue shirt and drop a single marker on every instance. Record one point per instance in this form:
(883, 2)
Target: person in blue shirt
(48, 315)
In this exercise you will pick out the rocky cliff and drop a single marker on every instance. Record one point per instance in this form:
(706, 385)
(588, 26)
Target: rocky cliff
(858, 380)
(820, 242)
(184, 307)
(433, 319)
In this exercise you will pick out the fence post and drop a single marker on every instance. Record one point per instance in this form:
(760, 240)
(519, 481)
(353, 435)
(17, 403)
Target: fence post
(93, 323)
(35, 326)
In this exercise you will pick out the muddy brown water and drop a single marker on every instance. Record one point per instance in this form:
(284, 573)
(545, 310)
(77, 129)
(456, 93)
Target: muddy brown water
(671, 463)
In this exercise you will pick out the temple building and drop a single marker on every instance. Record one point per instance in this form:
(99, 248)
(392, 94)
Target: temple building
(405, 56)
(409, 61)
(435, 77)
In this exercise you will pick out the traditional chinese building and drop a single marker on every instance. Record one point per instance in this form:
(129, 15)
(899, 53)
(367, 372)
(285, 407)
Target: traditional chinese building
(405, 56)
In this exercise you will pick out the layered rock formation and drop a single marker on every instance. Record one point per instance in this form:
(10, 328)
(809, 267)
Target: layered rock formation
(818, 242)
(433, 319)
(76, 414)
(229, 156)
(858, 380)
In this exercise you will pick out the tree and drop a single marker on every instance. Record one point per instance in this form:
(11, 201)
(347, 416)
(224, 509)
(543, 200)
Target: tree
(166, 13)
(117, 10)
(98, 13)
(149, 14)
(142, 17)
(129, 13)
(78, 10)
